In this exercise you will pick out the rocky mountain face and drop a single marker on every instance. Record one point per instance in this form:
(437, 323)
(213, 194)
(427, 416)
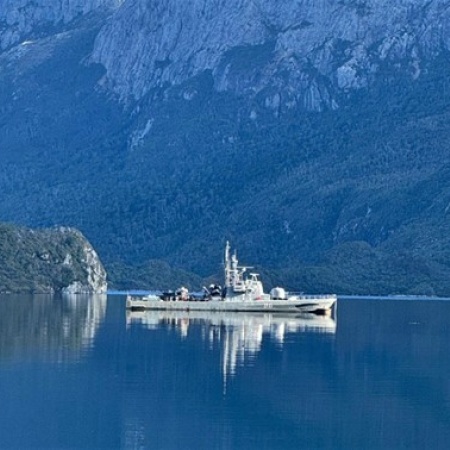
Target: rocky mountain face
(47, 261)
(313, 135)
(25, 19)
(292, 53)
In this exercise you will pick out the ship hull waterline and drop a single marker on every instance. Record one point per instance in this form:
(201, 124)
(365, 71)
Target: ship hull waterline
(305, 305)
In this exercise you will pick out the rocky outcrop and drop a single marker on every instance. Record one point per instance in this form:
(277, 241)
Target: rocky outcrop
(51, 260)
(24, 19)
(95, 275)
(296, 53)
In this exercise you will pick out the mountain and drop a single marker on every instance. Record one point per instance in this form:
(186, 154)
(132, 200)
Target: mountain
(313, 135)
(46, 261)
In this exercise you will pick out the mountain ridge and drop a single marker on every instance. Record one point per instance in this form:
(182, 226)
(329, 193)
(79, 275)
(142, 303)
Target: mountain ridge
(158, 161)
(303, 52)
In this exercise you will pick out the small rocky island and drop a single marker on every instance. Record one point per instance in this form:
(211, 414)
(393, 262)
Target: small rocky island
(48, 261)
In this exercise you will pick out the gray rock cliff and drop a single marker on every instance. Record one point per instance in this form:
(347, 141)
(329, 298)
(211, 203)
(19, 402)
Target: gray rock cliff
(94, 280)
(298, 52)
(22, 19)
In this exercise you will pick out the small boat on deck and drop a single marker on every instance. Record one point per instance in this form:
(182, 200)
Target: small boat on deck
(240, 294)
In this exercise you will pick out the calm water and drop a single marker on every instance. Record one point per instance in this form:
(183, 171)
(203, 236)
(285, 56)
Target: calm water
(80, 373)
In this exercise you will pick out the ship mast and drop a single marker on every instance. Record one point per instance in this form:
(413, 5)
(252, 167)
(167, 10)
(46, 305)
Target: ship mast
(234, 274)
(228, 276)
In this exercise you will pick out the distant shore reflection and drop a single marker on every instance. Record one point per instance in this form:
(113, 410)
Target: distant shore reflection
(57, 328)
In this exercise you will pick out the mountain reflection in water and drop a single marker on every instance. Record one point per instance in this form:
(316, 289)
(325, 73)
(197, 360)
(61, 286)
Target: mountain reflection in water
(55, 328)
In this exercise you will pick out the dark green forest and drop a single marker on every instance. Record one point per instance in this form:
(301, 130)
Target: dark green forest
(353, 200)
(34, 261)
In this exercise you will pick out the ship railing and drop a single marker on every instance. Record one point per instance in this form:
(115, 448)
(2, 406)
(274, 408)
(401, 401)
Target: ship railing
(309, 296)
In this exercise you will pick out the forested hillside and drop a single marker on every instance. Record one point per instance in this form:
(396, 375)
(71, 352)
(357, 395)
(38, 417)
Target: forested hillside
(48, 261)
(342, 187)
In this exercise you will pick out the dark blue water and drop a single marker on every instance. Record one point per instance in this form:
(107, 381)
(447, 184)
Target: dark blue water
(80, 373)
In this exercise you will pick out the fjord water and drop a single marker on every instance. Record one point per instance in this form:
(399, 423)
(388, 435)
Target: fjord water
(79, 372)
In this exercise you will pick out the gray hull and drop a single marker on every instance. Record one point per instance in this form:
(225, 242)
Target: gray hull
(313, 304)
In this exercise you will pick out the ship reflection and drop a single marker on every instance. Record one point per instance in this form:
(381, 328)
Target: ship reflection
(240, 335)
